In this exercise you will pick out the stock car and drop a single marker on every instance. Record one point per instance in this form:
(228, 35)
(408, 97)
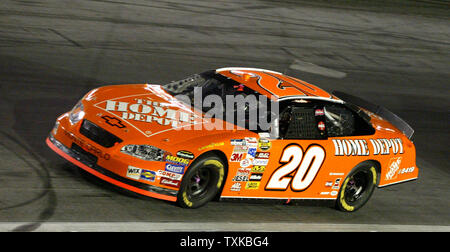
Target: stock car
(169, 141)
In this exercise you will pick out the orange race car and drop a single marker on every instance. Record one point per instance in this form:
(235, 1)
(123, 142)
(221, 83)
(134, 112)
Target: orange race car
(237, 133)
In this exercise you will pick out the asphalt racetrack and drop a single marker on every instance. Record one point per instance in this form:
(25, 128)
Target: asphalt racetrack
(52, 52)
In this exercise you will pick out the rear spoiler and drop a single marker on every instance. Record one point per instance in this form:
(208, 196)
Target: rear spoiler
(378, 110)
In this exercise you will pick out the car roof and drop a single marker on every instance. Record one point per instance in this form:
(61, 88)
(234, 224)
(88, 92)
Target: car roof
(275, 85)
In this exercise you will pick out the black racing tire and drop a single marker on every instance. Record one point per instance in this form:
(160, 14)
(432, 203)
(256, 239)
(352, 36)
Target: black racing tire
(357, 187)
(201, 183)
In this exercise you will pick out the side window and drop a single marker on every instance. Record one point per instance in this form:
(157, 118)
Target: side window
(299, 121)
(319, 120)
(339, 121)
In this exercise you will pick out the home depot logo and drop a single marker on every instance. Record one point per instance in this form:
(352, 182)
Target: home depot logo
(394, 166)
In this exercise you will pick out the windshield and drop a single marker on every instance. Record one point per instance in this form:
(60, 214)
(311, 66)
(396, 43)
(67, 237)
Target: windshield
(208, 83)
(223, 98)
(185, 86)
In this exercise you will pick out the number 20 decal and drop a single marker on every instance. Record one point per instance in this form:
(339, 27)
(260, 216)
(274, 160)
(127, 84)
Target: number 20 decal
(304, 165)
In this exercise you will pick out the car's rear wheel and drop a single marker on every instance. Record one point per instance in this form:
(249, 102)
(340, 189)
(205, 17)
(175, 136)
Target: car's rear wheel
(357, 188)
(202, 182)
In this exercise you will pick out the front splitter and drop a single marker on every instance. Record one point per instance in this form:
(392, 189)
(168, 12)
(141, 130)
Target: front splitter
(108, 176)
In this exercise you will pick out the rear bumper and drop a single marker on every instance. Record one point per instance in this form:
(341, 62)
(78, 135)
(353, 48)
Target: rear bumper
(86, 164)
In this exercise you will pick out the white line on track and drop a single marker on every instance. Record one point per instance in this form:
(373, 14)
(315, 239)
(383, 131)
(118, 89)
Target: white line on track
(219, 226)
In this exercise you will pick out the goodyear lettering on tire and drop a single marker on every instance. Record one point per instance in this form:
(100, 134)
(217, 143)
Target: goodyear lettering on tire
(186, 200)
(221, 170)
(342, 198)
(374, 175)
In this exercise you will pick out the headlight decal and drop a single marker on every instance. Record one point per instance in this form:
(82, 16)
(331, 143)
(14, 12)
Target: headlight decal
(145, 152)
(77, 113)
(55, 128)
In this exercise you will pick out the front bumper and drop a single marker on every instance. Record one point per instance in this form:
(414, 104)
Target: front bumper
(84, 162)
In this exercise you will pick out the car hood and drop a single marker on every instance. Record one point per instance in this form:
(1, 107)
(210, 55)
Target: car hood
(143, 113)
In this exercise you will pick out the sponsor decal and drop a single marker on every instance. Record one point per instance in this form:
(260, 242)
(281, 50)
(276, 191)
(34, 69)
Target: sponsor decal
(332, 193)
(240, 178)
(170, 182)
(252, 185)
(394, 166)
(243, 171)
(211, 145)
(264, 144)
(240, 149)
(148, 175)
(87, 146)
(258, 169)
(251, 141)
(262, 155)
(260, 162)
(144, 109)
(246, 162)
(264, 135)
(255, 177)
(177, 160)
(321, 126)
(237, 142)
(110, 120)
(319, 112)
(236, 187)
(336, 184)
(185, 154)
(236, 157)
(134, 172)
(351, 147)
(251, 152)
(386, 146)
(170, 175)
(360, 147)
(175, 168)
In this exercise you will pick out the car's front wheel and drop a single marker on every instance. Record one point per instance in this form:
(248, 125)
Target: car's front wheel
(202, 182)
(357, 188)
